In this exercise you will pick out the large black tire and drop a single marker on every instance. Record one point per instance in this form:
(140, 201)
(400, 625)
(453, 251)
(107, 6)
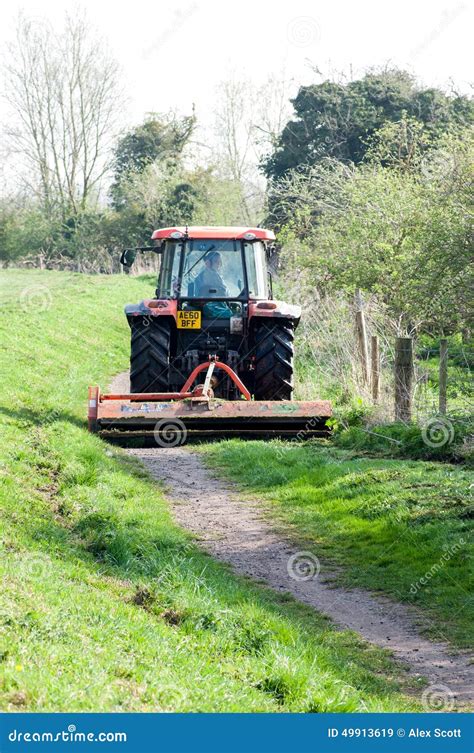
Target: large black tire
(150, 355)
(274, 353)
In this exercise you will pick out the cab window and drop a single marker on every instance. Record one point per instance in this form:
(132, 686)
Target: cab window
(168, 282)
(256, 269)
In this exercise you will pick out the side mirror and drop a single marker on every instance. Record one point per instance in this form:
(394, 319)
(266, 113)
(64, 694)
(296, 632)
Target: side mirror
(128, 257)
(271, 250)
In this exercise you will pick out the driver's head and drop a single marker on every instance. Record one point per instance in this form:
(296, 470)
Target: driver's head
(214, 260)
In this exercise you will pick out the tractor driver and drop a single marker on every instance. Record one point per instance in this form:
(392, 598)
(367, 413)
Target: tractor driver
(209, 283)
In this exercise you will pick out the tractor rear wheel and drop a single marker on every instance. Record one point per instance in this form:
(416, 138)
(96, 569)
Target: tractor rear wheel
(150, 355)
(274, 353)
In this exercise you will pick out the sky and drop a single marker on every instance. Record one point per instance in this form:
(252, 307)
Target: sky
(173, 54)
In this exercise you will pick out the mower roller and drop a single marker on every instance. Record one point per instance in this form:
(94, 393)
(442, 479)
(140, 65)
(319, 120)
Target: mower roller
(213, 317)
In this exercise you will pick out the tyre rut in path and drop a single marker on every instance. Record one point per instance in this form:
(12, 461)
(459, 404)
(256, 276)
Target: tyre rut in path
(233, 529)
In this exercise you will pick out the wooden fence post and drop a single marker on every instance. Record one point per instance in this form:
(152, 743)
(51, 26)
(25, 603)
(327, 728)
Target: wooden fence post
(443, 375)
(403, 378)
(375, 356)
(362, 336)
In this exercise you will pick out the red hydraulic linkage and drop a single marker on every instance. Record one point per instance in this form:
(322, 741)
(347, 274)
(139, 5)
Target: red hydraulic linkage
(95, 397)
(214, 364)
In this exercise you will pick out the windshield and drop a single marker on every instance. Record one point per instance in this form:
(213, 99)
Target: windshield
(210, 269)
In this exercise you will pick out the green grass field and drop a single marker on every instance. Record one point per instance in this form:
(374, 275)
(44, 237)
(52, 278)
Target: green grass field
(106, 605)
(400, 527)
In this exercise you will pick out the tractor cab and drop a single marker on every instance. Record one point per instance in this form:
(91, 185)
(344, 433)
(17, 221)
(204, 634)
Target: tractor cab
(213, 300)
(200, 268)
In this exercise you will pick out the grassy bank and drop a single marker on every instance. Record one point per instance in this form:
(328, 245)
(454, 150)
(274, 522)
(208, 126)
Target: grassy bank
(106, 604)
(442, 438)
(399, 527)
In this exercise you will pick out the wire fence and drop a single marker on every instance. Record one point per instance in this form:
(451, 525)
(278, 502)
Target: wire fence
(100, 261)
(349, 350)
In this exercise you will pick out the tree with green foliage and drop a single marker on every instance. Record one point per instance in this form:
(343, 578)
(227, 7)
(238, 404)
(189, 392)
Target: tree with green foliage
(337, 120)
(401, 144)
(160, 138)
(402, 234)
(148, 189)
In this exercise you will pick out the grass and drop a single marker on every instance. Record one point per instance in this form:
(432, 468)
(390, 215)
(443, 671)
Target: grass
(327, 366)
(106, 605)
(444, 438)
(399, 527)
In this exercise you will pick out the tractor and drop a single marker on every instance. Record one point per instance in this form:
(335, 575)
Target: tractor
(213, 311)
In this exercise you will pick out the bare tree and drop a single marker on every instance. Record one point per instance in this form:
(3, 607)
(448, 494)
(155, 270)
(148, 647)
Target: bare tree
(64, 96)
(234, 131)
(248, 121)
(273, 110)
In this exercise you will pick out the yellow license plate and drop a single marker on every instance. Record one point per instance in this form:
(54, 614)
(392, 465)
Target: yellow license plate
(189, 320)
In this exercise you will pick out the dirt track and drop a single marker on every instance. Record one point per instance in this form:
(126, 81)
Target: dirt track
(233, 529)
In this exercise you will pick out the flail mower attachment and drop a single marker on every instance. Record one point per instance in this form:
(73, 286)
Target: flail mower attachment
(171, 417)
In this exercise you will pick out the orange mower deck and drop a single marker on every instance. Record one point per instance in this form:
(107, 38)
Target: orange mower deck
(197, 413)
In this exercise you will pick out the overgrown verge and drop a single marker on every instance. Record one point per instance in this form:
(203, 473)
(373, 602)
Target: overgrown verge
(438, 438)
(105, 604)
(399, 527)
(328, 366)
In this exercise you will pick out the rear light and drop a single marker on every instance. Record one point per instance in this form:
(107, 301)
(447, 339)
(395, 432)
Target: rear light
(157, 305)
(250, 236)
(269, 305)
(177, 235)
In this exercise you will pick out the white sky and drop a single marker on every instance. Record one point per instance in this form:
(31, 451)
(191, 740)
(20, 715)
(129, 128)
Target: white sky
(173, 54)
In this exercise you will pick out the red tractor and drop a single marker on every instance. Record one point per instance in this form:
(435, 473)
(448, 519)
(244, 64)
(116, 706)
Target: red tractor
(213, 299)
(214, 310)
